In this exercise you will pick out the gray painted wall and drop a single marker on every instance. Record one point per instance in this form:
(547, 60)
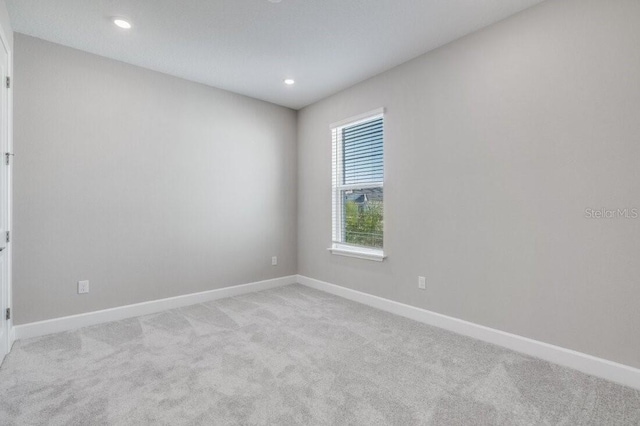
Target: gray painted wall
(495, 146)
(5, 22)
(147, 185)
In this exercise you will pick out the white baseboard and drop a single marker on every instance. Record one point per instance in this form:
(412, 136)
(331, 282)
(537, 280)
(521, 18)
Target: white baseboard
(12, 335)
(605, 369)
(56, 325)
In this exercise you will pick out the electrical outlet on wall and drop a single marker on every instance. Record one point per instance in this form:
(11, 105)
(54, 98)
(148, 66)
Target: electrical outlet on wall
(274, 260)
(422, 283)
(83, 287)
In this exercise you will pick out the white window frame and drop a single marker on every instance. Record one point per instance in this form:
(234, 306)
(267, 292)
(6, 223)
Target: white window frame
(338, 247)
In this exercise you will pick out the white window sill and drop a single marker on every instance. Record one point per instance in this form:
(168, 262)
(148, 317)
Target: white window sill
(358, 252)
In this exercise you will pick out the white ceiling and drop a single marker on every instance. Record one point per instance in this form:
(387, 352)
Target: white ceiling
(250, 46)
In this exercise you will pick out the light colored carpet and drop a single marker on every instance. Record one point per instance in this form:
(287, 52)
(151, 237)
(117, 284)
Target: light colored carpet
(291, 356)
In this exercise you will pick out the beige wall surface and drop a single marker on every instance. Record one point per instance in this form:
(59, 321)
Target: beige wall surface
(147, 185)
(495, 145)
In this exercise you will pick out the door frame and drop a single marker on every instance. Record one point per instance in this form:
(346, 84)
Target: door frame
(4, 41)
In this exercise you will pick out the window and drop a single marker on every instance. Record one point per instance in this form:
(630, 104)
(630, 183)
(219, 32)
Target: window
(358, 181)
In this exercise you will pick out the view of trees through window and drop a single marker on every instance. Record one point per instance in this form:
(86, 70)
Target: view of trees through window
(363, 215)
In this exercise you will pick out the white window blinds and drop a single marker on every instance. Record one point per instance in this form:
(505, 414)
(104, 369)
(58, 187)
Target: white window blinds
(362, 153)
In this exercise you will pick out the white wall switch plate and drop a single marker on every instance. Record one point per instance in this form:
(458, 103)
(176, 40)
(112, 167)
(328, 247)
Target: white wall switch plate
(422, 283)
(274, 260)
(83, 287)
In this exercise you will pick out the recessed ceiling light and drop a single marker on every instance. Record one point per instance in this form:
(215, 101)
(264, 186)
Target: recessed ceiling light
(275, 1)
(122, 23)
(289, 82)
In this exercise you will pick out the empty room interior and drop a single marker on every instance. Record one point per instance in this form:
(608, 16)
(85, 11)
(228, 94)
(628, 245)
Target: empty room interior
(320, 212)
